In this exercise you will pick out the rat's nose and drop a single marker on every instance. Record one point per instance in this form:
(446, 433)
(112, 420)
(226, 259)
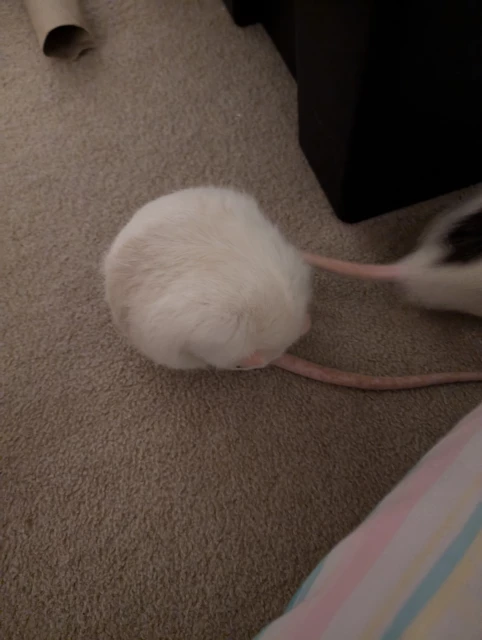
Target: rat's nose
(256, 360)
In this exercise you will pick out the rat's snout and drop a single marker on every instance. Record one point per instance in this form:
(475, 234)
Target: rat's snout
(260, 360)
(256, 361)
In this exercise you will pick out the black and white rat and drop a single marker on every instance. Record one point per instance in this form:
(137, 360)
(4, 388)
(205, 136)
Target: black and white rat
(443, 272)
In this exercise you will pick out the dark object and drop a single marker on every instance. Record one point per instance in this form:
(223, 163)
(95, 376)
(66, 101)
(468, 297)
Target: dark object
(244, 12)
(389, 95)
(277, 17)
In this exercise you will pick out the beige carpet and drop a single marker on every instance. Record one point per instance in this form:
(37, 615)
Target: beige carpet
(137, 503)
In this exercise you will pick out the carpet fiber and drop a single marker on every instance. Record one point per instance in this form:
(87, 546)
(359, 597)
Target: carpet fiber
(138, 503)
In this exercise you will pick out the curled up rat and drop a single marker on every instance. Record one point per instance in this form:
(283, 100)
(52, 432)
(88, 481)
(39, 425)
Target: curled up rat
(201, 278)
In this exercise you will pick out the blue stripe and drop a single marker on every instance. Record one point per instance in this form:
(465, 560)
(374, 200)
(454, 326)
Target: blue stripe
(260, 634)
(437, 575)
(302, 592)
(299, 596)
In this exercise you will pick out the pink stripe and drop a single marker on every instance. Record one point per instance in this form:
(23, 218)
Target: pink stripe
(312, 616)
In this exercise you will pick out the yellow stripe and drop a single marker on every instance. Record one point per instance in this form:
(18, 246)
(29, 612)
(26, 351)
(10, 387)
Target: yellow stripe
(446, 595)
(377, 624)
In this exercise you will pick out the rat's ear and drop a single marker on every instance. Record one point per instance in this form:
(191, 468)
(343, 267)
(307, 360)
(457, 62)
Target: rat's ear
(219, 340)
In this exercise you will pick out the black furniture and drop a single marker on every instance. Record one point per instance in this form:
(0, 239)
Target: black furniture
(389, 95)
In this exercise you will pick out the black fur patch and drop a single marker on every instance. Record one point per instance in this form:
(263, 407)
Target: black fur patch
(465, 240)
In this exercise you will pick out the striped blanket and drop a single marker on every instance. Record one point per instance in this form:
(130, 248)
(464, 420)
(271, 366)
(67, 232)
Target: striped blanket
(413, 569)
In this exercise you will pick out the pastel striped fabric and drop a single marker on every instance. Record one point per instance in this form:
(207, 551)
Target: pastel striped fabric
(413, 569)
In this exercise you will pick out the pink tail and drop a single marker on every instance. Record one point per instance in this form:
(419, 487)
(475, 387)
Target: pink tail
(389, 272)
(375, 383)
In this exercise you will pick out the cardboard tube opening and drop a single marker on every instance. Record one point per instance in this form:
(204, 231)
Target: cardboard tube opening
(60, 27)
(67, 41)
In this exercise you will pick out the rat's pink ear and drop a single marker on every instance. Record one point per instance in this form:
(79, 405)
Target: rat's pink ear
(307, 324)
(256, 360)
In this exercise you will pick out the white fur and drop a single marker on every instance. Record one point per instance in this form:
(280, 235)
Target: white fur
(201, 278)
(446, 287)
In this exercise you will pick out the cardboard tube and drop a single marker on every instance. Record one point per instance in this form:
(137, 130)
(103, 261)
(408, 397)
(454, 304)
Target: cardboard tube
(60, 27)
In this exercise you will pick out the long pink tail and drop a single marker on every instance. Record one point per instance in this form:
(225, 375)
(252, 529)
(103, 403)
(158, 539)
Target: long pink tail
(388, 272)
(375, 383)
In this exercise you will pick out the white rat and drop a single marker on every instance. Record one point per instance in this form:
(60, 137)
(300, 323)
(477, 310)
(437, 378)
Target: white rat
(202, 278)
